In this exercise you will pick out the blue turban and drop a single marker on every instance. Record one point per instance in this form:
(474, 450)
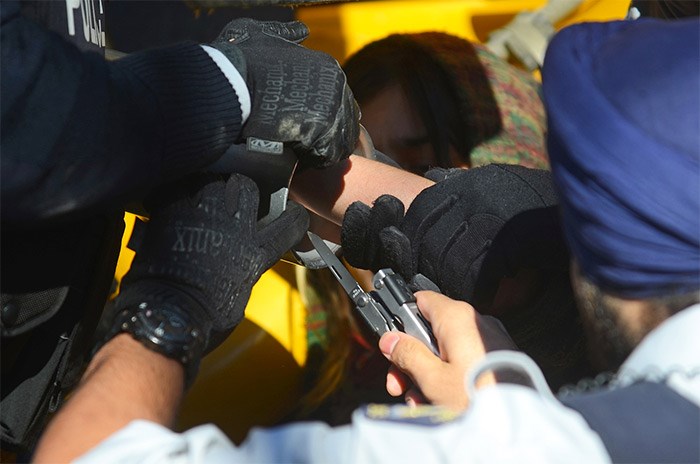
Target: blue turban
(623, 104)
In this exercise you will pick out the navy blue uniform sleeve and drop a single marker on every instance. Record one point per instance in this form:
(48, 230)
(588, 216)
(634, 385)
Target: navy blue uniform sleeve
(79, 133)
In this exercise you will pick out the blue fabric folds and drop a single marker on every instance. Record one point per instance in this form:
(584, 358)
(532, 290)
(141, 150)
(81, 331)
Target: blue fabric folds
(623, 103)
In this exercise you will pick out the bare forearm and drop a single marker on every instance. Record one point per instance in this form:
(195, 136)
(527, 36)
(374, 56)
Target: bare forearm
(329, 192)
(125, 381)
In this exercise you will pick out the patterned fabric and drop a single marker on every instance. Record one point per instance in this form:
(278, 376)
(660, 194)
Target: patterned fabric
(316, 314)
(522, 117)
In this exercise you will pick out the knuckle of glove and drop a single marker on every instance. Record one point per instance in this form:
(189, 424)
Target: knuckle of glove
(442, 174)
(241, 29)
(362, 229)
(241, 198)
(396, 252)
(387, 211)
(236, 31)
(293, 31)
(386, 214)
(353, 235)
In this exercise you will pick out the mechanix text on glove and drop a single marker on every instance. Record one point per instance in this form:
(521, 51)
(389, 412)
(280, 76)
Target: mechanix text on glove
(298, 96)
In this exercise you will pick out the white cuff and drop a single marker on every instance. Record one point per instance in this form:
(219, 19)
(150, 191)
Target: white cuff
(234, 77)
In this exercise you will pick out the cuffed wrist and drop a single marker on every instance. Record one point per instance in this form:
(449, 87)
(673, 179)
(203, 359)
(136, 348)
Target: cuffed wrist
(164, 319)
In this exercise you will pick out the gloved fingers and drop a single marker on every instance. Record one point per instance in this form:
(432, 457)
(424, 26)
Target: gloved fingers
(353, 235)
(299, 96)
(241, 199)
(440, 174)
(387, 211)
(360, 234)
(395, 252)
(241, 29)
(293, 31)
(283, 233)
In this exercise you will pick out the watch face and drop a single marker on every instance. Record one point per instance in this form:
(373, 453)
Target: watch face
(167, 327)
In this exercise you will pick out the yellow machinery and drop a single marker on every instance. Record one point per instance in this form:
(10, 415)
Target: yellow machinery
(254, 379)
(342, 29)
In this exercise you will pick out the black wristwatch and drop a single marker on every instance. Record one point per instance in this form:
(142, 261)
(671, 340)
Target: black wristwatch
(166, 329)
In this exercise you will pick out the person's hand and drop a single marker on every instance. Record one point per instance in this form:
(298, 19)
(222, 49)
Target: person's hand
(298, 96)
(464, 337)
(464, 233)
(203, 252)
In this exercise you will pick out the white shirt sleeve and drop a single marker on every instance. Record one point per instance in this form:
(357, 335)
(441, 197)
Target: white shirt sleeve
(146, 442)
(505, 423)
(234, 77)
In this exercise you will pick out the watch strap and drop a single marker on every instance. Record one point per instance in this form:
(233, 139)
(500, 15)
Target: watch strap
(165, 328)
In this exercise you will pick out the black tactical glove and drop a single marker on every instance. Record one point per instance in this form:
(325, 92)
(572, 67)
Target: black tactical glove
(464, 233)
(298, 96)
(201, 251)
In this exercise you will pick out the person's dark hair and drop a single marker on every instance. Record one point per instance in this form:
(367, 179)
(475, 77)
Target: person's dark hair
(400, 59)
